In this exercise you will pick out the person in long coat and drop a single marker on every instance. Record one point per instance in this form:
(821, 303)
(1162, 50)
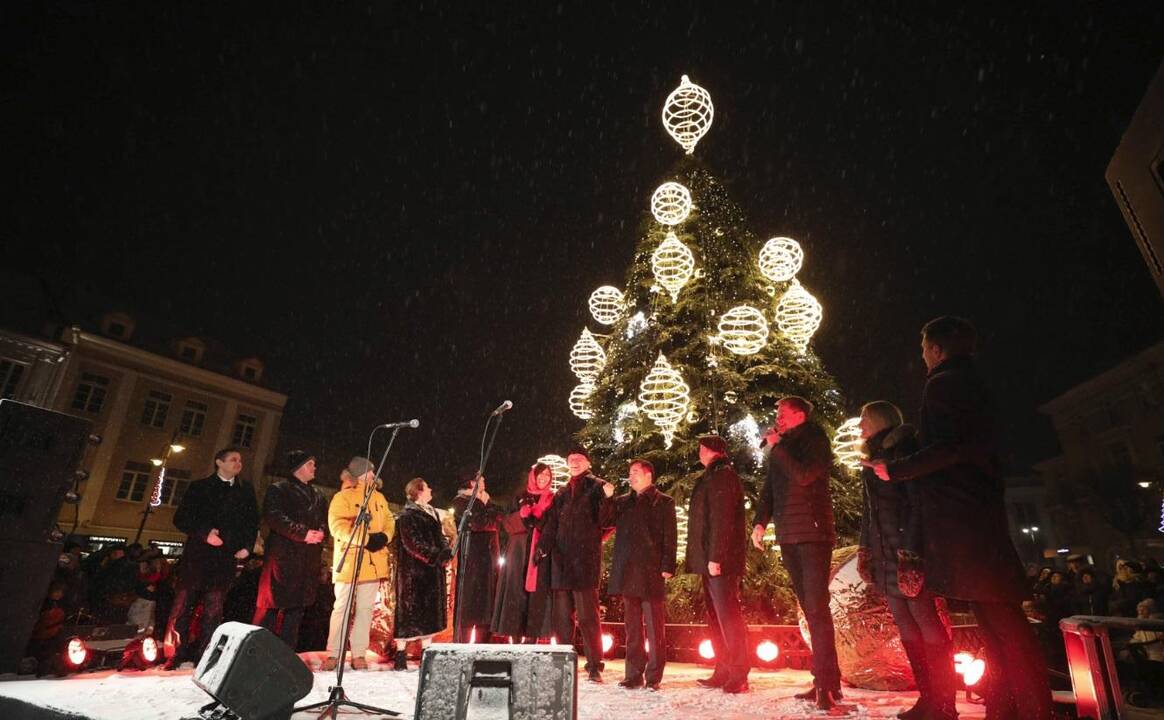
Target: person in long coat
(889, 553)
(716, 552)
(296, 514)
(221, 520)
(645, 539)
(422, 552)
(968, 552)
(477, 561)
(521, 608)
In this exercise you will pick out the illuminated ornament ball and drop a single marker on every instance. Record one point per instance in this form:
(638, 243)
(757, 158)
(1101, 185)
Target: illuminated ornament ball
(847, 444)
(780, 259)
(743, 330)
(798, 315)
(587, 358)
(579, 400)
(606, 304)
(671, 203)
(558, 467)
(687, 114)
(673, 265)
(664, 397)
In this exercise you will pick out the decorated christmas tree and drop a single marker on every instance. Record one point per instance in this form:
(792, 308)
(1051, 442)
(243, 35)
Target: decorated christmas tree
(710, 330)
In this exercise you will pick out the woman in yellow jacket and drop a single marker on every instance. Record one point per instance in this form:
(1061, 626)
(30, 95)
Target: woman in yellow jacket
(341, 517)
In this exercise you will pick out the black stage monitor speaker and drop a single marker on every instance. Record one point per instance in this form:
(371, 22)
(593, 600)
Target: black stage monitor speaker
(518, 682)
(26, 568)
(252, 673)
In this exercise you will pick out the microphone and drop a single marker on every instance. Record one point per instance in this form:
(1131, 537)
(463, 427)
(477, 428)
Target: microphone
(413, 423)
(503, 407)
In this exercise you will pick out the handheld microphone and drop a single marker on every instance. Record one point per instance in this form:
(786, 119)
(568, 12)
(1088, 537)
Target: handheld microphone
(413, 423)
(503, 407)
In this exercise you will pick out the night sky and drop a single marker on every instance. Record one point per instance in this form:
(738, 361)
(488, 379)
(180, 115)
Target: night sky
(402, 207)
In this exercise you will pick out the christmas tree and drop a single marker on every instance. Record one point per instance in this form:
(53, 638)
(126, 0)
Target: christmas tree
(711, 330)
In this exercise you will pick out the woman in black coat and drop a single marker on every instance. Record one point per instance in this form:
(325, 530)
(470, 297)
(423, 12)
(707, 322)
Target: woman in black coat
(422, 552)
(889, 560)
(521, 608)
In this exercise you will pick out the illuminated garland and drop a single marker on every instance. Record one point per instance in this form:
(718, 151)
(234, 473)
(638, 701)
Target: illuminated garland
(673, 265)
(579, 398)
(587, 358)
(607, 304)
(664, 397)
(780, 259)
(688, 114)
(798, 315)
(671, 203)
(847, 444)
(558, 467)
(743, 330)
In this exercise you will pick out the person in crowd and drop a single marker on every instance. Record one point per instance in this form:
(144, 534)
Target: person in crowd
(152, 571)
(296, 513)
(1128, 589)
(220, 518)
(422, 553)
(1091, 595)
(374, 565)
(243, 596)
(797, 499)
(579, 517)
(1042, 582)
(716, 552)
(521, 608)
(477, 561)
(116, 581)
(968, 552)
(645, 540)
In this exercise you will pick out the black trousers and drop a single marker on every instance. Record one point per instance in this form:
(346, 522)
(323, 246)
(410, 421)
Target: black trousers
(1018, 685)
(288, 629)
(645, 662)
(579, 607)
(808, 566)
(928, 647)
(185, 600)
(725, 622)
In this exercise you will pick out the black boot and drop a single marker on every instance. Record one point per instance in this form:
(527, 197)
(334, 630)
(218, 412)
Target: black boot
(943, 682)
(916, 652)
(400, 662)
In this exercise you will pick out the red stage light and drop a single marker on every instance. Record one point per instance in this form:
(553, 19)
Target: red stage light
(767, 651)
(969, 667)
(149, 650)
(706, 651)
(76, 652)
(607, 642)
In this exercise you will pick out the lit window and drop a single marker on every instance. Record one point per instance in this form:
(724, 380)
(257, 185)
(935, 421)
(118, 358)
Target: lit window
(193, 419)
(134, 481)
(157, 406)
(90, 394)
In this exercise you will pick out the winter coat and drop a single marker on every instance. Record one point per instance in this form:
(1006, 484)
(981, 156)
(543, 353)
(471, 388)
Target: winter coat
(796, 494)
(891, 520)
(1090, 599)
(213, 503)
(577, 520)
(715, 521)
(422, 552)
(290, 565)
(645, 537)
(968, 554)
(1125, 595)
(341, 516)
(516, 611)
(478, 554)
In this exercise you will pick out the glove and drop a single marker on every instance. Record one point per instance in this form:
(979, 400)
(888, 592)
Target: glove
(911, 574)
(863, 567)
(444, 556)
(376, 541)
(525, 511)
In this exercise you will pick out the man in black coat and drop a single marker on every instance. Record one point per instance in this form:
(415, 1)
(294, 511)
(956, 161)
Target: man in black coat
(796, 497)
(646, 533)
(479, 551)
(220, 519)
(578, 518)
(296, 514)
(968, 553)
(715, 550)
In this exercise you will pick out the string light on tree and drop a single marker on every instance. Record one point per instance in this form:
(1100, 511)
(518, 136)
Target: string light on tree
(743, 330)
(623, 417)
(747, 432)
(671, 203)
(558, 467)
(688, 114)
(664, 397)
(847, 444)
(579, 400)
(635, 324)
(780, 259)
(673, 265)
(798, 315)
(607, 304)
(681, 525)
(587, 358)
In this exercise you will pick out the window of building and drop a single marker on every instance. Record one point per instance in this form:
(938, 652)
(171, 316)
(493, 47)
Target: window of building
(244, 430)
(135, 480)
(193, 419)
(250, 369)
(90, 394)
(10, 374)
(177, 482)
(157, 406)
(117, 325)
(191, 349)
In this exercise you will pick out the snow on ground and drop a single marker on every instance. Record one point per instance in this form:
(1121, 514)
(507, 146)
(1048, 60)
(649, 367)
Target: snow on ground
(156, 694)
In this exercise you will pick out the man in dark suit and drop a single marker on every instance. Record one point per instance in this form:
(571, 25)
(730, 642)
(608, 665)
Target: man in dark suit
(968, 554)
(715, 551)
(221, 521)
(646, 532)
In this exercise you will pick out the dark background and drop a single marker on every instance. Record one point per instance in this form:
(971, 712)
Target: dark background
(402, 208)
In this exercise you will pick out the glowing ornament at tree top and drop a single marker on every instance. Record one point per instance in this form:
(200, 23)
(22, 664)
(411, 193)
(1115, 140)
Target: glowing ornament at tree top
(587, 358)
(673, 265)
(606, 304)
(671, 203)
(558, 467)
(798, 315)
(664, 397)
(579, 400)
(743, 330)
(687, 114)
(847, 444)
(780, 259)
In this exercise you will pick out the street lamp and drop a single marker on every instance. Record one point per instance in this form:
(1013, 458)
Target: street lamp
(156, 496)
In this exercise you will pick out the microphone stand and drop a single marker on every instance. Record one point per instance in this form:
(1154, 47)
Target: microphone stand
(464, 538)
(337, 698)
